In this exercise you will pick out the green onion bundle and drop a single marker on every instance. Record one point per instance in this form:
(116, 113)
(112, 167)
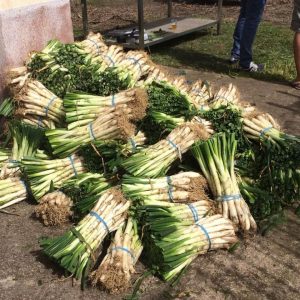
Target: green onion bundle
(54, 209)
(4, 156)
(156, 160)
(225, 96)
(37, 106)
(133, 66)
(201, 94)
(111, 58)
(45, 174)
(16, 79)
(114, 272)
(154, 74)
(93, 44)
(85, 190)
(216, 160)
(184, 187)
(177, 245)
(114, 125)
(262, 127)
(75, 250)
(12, 191)
(81, 109)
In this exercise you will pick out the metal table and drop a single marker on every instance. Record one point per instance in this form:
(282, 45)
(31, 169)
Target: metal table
(183, 25)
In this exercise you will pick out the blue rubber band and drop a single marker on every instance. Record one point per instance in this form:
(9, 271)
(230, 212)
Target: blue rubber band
(123, 249)
(40, 122)
(72, 164)
(206, 234)
(110, 59)
(13, 161)
(133, 144)
(93, 42)
(100, 219)
(113, 103)
(48, 105)
(229, 197)
(135, 62)
(91, 132)
(174, 146)
(194, 212)
(170, 189)
(265, 130)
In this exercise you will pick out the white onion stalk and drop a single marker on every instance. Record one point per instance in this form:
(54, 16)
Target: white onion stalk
(12, 190)
(42, 173)
(36, 100)
(93, 44)
(201, 94)
(155, 160)
(75, 250)
(114, 272)
(225, 96)
(183, 187)
(16, 79)
(81, 109)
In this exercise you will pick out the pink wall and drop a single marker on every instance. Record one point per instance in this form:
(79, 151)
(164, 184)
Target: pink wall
(30, 27)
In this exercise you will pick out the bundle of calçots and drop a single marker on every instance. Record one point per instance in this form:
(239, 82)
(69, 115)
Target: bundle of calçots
(137, 159)
(75, 250)
(114, 273)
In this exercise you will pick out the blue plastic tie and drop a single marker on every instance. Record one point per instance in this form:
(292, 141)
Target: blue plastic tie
(265, 130)
(124, 249)
(100, 219)
(110, 59)
(194, 212)
(40, 122)
(91, 132)
(113, 103)
(93, 42)
(133, 144)
(206, 234)
(72, 164)
(48, 105)
(170, 189)
(13, 161)
(229, 197)
(174, 146)
(136, 62)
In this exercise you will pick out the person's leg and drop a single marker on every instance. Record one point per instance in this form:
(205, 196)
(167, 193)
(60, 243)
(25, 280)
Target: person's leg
(254, 11)
(235, 51)
(297, 54)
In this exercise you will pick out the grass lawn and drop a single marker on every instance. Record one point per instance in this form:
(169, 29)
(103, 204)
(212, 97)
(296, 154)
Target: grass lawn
(208, 51)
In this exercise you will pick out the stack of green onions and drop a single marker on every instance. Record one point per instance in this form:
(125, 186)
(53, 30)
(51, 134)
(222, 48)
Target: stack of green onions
(81, 109)
(201, 94)
(154, 74)
(225, 96)
(184, 187)
(111, 58)
(44, 174)
(38, 106)
(262, 127)
(177, 245)
(75, 250)
(17, 78)
(170, 122)
(26, 140)
(114, 272)
(4, 156)
(93, 44)
(156, 160)
(12, 191)
(6, 108)
(114, 125)
(133, 66)
(216, 160)
(85, 190)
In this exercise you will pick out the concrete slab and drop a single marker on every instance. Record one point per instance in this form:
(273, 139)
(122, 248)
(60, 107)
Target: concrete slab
(27, 25)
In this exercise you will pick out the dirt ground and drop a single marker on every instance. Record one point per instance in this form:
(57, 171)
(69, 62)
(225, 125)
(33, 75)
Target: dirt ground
(261, 268)
(106, 15)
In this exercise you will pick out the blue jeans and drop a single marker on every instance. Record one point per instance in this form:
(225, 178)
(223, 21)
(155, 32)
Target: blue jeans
(245, 30)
